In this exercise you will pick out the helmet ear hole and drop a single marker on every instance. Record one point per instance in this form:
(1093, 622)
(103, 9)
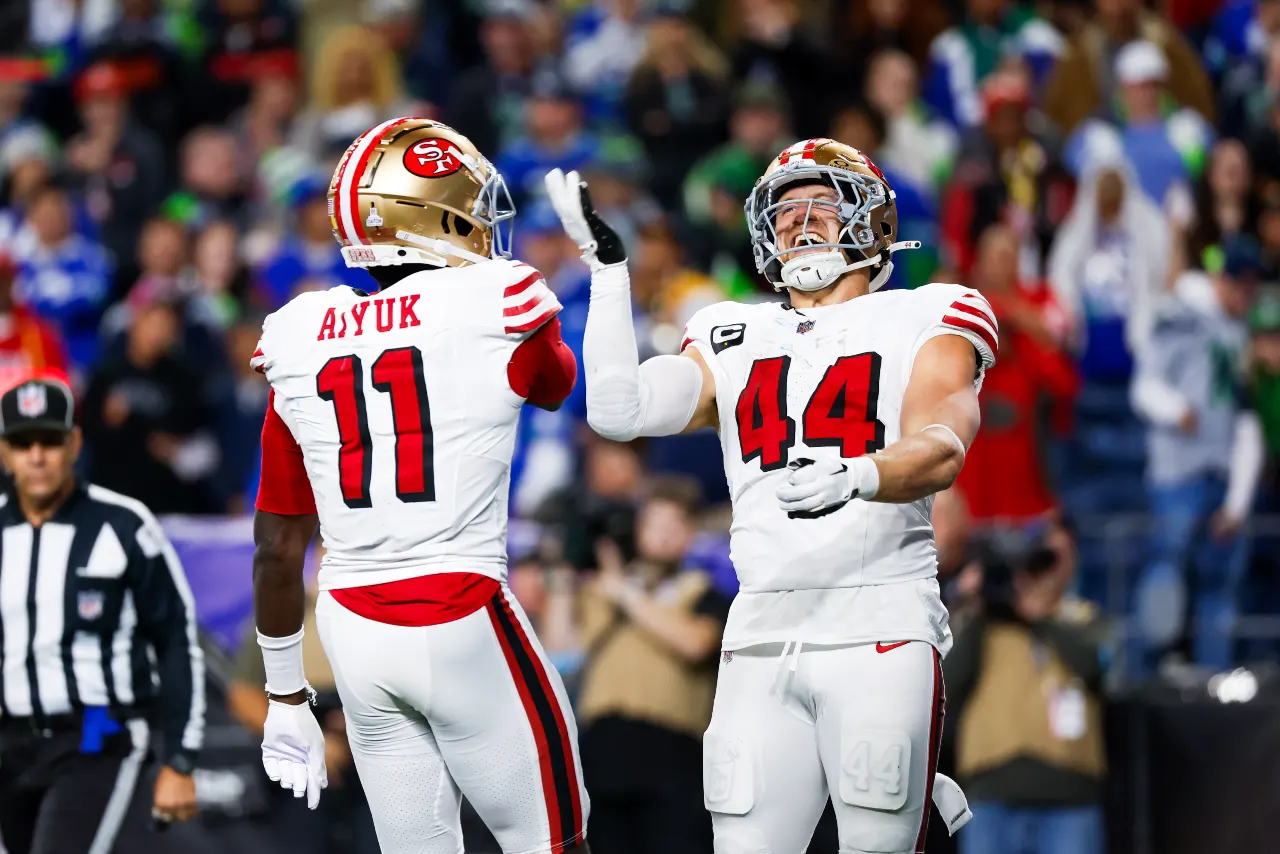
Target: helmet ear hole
(462, 227)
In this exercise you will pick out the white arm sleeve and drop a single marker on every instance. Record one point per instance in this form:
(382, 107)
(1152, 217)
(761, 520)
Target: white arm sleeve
(624, 398)
(1248, 455)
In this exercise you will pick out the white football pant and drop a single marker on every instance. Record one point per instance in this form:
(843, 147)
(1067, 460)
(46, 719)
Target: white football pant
(471, 707)
(791, 727)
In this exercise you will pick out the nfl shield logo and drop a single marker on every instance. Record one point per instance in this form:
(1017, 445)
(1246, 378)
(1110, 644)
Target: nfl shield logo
(726, 656)
(804, 326)
(32, 400)
(89, 605)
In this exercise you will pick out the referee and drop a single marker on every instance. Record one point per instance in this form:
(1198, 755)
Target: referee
(97, 636)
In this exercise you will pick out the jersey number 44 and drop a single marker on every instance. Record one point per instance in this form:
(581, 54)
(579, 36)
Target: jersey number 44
(840, 413)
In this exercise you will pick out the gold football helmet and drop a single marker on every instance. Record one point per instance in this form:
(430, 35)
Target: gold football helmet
(414, 191)
(866, 210)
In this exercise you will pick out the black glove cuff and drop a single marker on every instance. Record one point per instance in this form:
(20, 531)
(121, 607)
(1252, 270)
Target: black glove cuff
(609, 248)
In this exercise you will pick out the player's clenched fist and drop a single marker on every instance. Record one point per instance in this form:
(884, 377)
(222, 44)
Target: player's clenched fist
(293, 750)
(821, 486)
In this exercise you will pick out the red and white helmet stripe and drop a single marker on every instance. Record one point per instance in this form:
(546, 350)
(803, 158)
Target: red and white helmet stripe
(346, 193)
(803, 150)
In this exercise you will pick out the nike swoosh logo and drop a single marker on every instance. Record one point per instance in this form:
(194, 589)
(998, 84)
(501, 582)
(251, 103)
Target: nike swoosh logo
(886, 647)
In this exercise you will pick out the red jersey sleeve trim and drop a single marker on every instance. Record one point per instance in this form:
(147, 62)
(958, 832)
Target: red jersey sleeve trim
(542, 369)
(284, 488)
(528, 304)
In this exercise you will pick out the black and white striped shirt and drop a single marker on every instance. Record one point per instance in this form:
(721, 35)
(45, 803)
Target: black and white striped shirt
(95, 611)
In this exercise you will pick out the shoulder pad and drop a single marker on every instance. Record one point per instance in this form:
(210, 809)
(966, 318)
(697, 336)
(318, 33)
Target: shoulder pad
(965, 312)
(527, 302)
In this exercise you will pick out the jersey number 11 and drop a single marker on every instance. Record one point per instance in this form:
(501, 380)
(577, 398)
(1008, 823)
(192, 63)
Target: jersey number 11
(399, 374)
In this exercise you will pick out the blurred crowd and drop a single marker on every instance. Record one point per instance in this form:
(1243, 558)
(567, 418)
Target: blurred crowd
(1106, 172)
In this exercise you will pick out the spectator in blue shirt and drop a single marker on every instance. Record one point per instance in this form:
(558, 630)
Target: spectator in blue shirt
(308, 254)
(1240, 31)
(604, 42)
(1167, 153)
(554, 138)
(63, 275)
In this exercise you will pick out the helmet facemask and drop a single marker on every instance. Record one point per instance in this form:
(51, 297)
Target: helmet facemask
(494, 208)
(858, 243)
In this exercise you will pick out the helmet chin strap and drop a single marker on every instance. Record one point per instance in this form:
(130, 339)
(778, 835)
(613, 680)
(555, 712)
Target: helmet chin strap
(818, 270)
(443, 247)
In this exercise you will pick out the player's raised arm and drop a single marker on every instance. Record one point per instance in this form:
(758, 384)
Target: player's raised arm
(665, 395)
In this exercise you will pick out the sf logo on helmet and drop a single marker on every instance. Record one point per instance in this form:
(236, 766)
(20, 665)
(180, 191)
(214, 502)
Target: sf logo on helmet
(433, 158)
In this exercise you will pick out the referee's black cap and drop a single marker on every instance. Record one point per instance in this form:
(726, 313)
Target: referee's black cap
(37, 404)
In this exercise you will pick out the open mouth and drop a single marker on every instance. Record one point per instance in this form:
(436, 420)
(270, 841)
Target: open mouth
(807, 243)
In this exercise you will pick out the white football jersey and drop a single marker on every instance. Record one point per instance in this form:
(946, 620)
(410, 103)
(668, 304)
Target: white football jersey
(401, 405)
(828, 381)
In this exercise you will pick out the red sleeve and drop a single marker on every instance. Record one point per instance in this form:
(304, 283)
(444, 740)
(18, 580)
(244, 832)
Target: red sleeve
(543, 370)
(283, 488)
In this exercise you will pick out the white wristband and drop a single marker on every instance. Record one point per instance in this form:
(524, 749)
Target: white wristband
(865, 476)
(282, 660)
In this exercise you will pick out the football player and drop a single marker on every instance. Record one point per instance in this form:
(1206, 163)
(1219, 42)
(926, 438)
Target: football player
(392, 419)
(841, 412)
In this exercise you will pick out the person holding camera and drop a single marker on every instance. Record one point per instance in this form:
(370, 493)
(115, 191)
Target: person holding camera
(1025, 682)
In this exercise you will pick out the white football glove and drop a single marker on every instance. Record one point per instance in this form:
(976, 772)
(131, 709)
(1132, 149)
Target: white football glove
(599, 243)
(818, 487)
(293, 750)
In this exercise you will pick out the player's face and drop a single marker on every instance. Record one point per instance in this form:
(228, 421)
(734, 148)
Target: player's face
(810, 218)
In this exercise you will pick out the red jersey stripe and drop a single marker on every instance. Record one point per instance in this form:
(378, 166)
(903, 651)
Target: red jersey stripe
(522, 285)
(536, 322)
(517, 310)
(969, 325)
(977, 309)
